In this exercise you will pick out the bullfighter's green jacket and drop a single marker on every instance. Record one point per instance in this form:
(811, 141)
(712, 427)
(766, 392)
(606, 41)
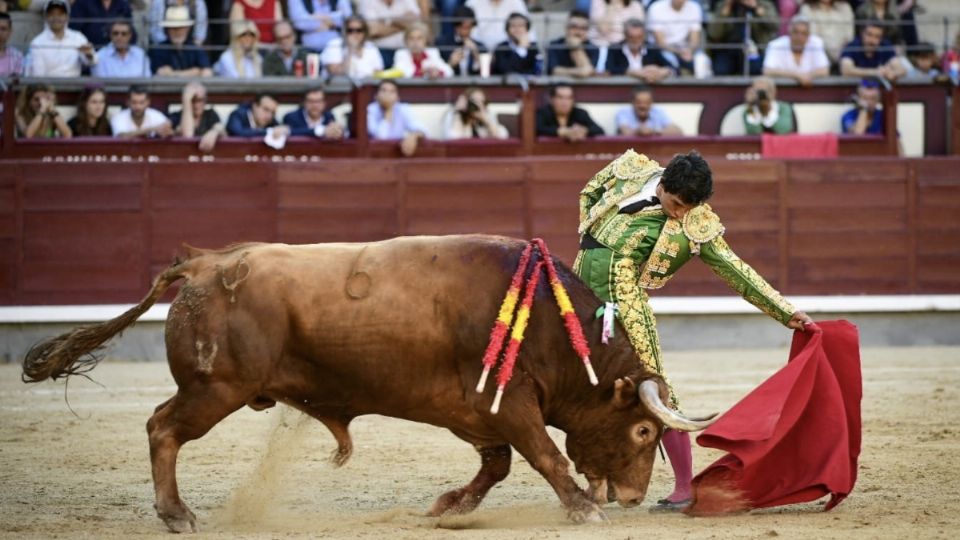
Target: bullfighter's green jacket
(643, 250)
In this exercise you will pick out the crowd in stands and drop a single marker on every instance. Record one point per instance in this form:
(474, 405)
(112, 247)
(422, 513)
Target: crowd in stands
(648, 40)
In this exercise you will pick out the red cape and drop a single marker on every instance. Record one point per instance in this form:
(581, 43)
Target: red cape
(796, 437)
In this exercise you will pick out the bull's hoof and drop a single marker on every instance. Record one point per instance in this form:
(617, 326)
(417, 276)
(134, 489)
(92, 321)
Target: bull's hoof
(181, 523)
(458, 501)
(591, 513)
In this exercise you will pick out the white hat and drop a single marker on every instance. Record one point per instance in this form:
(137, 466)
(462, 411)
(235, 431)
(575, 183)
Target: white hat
(176, 17)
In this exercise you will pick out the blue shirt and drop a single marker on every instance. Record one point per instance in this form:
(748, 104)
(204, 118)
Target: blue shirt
(850, 118)
(403, 122)
(657, 121)
(311, 34)
(854, 51)
(186, 57)
(110, 64)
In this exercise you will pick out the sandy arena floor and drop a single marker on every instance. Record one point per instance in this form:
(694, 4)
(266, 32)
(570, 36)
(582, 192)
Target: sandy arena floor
(266, 475)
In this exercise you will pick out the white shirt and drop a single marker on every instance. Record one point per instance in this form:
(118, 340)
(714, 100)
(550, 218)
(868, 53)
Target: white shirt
(675, 26)
(52, 57)
(122, 122)
(647, 193)
(403, 61)
(227, 66)
(780, 57)
(372, 10)
(492, 19)
(361, 67)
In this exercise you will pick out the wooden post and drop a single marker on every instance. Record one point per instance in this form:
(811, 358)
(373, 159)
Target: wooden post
(528, 122)
(890, 121)
(9, 124)
(359, 99)
(955, 131)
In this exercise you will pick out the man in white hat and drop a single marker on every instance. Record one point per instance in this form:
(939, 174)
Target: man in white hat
(58, 51)
(174, 57)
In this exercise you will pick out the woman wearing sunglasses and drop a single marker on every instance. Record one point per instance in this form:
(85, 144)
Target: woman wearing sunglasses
(353, 55)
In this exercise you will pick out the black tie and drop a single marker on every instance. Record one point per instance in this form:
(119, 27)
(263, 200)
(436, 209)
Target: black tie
(639, 205)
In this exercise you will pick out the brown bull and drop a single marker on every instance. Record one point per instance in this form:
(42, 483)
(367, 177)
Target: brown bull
(395, 328)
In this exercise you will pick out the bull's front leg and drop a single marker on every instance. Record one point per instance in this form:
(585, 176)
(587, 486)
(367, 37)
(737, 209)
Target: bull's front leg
(494, 467)
(520, 422)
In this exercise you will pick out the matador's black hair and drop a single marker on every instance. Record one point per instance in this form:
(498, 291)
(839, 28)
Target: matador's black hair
(688, 176)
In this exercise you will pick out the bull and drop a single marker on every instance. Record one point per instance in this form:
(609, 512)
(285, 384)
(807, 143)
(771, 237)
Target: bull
(395, 328)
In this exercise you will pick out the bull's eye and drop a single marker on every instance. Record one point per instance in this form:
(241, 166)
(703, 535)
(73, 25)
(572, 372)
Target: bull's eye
(643, 432)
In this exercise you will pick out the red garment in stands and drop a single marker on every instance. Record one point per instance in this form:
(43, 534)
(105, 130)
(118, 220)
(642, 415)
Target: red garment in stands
(815, 145)
(263, 17)
(796, 437)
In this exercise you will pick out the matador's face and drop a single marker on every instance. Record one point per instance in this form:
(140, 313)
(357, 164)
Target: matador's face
(673, 205)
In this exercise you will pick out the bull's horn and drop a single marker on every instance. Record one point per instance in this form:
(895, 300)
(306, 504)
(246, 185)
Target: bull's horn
(650, 396)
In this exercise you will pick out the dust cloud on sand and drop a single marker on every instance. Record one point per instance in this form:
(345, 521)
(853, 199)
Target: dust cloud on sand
(267, 474)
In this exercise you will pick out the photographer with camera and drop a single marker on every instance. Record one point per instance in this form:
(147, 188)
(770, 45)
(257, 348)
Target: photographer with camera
(469, 118)
(763, 113)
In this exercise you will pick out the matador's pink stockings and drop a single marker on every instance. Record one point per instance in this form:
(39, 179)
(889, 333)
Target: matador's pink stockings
(677, 445)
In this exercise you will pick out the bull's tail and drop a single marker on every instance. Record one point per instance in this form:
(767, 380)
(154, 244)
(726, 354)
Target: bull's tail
(72, 353)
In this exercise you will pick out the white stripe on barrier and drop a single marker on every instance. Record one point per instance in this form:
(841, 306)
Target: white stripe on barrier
(662, 305)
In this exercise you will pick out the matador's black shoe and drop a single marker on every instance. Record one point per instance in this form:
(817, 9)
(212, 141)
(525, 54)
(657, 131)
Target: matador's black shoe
(668, 506)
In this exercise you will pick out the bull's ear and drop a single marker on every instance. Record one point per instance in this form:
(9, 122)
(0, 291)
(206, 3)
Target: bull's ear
(624, 393)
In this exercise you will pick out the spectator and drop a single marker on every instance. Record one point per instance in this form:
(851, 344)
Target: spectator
(353, 55)
(37, 116)
(561, 118)
(417, 60)
(832, 20)
(763, 28)
(636, 57)
(139, 119)
(281, 61)
(763, 113)
(388, 119)
(870, 55)
(173, 57)
(608, 17)
(572, 55)
(92, 18)
(263, 13)
(255, 118)
(313, 119)
(951, 60)
(11, 59)
(676, 28)
(388, 20)
(866, 118)
(460, 50)
(469, 118)
(519, 53)
(120, 58)
(319, 21)
(643, 118)
(492, 15)
(908, 25)
(241, 60)
(788, 9)
(58, 51)
(923, 61)
(196, 119)
(196, 11)
(799, 56)
(91, 119)
(884, 12)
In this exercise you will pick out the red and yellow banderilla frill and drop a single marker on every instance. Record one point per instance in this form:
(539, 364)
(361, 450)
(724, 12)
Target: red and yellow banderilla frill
(505, 319)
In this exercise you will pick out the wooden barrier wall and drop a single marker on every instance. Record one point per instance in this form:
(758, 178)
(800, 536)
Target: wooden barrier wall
(97, 232)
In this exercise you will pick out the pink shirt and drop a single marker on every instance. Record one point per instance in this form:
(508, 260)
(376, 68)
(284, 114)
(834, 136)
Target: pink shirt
(11, 62)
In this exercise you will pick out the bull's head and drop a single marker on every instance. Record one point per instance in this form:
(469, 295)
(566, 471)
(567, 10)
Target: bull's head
(616, 445)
